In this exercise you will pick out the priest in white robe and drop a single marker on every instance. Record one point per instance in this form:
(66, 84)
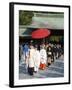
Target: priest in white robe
(36, 59)
(31, 60)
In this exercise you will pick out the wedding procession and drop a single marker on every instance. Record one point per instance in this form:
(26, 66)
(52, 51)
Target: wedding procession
(41, 44)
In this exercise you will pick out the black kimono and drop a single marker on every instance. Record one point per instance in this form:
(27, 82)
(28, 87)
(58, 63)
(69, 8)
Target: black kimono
(50, 55)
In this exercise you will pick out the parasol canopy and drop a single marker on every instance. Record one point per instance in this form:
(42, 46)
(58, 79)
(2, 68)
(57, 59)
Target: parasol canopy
(40, 33)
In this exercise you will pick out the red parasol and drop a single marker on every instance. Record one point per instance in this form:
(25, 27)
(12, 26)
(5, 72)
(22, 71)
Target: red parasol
(40, 33)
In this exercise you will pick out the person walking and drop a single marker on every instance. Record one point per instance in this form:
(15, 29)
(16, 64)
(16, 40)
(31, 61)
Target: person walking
(26, 56)
(36, 59)
(43, 58)
(49, 55)
(31, 60)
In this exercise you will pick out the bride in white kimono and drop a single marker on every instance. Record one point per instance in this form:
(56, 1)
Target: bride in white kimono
(43, 58)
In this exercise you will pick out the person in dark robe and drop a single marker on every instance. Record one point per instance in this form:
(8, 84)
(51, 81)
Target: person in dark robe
(49, 55)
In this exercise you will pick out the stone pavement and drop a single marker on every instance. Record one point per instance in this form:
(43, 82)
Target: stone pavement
(56, 69)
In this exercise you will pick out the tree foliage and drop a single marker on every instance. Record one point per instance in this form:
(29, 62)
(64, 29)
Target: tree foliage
(56, 38)
(25, 17)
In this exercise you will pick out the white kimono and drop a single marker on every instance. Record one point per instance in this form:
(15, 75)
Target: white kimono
(31, 58)
(43, 56)
(36, 60)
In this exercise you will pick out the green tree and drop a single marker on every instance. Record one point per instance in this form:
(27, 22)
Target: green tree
(25, 17)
